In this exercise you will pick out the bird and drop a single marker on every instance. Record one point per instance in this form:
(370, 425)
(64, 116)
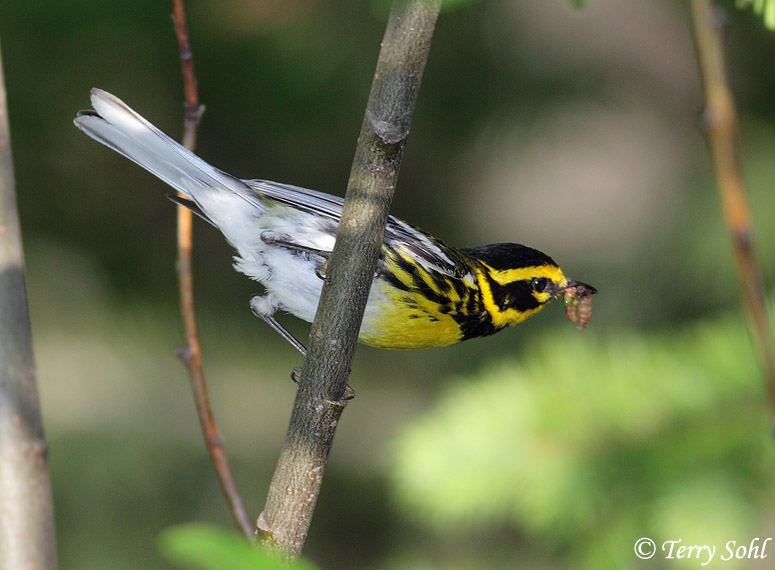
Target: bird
(424, 293)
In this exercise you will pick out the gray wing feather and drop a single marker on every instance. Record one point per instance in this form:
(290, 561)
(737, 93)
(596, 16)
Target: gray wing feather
(429, 252)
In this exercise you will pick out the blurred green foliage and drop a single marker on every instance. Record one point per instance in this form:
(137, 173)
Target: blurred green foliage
(587, 444)
(764, 8)
(206, 547)
(569, 130)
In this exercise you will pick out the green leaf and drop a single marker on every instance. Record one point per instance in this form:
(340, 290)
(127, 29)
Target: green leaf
(206, 547)
(577, 3)
(763, 8)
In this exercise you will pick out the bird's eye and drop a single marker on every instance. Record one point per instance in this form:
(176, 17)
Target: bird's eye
(539, 284)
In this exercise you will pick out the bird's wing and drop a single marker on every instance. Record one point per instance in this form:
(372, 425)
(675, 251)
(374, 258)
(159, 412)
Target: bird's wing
(430, 253)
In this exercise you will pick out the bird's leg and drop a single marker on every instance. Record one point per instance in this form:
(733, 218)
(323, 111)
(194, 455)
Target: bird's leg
(264, 308)
(349, 393)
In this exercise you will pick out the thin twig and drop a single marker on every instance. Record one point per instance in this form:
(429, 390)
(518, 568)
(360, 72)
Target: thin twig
(294, 490)
(26, 511)
(721, 128)
(192, 355)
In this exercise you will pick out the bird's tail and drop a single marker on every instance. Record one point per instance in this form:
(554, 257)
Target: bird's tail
(116, 125)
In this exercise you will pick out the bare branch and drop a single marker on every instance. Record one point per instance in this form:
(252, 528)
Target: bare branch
(26, 512)
(321, 394)
(192, 355)
(721, 127)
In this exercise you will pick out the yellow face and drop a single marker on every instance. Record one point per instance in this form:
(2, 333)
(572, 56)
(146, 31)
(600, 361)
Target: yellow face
(512, 295)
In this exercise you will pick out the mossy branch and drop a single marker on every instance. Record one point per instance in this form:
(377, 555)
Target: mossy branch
(293, 493)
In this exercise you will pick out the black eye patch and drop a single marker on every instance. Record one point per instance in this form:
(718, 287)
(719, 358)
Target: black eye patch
(539, 284)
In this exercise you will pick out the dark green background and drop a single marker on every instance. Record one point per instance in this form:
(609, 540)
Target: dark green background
(573, 132)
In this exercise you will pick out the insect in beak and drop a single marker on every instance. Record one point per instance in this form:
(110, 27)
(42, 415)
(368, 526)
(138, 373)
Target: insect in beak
(577, 297)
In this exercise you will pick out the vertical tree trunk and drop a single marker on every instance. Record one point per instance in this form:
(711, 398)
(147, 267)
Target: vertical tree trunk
(320, 399)
(26, 514)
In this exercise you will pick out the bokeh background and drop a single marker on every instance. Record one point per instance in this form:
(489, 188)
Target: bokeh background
(571, 131)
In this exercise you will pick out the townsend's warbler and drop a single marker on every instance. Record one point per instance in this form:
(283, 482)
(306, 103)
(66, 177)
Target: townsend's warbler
(424, 294)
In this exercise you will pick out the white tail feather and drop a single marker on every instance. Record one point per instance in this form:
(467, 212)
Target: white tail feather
(116, 125)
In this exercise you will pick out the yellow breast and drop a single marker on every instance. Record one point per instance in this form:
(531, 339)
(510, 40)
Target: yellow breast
(405, 320)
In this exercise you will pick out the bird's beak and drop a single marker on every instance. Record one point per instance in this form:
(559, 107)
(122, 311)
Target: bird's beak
(572, 283)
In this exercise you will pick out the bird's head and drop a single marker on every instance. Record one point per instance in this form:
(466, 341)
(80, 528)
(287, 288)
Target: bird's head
(516, 281)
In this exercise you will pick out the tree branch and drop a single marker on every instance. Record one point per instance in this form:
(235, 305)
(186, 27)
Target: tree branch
(320, 398)
(26, 512)
(191, 354)
(721, 129)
